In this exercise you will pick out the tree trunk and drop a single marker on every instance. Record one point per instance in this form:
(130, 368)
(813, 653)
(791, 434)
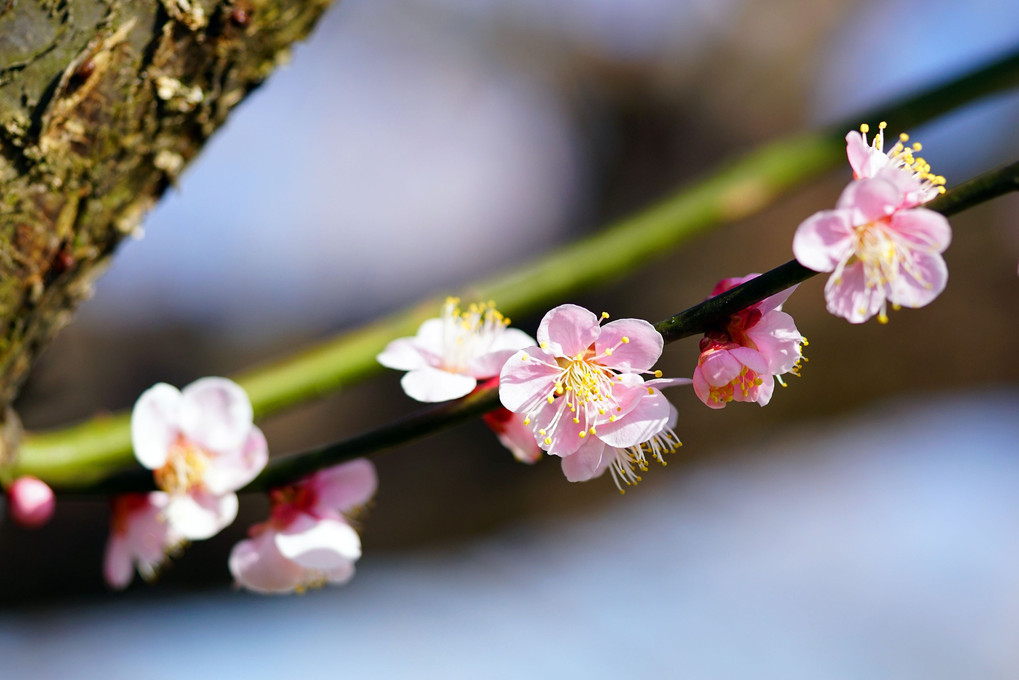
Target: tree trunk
(102, 104)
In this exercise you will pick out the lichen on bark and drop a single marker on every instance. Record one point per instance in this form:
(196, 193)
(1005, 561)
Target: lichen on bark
(102, 104)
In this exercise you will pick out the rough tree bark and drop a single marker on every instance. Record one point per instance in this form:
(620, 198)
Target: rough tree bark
(102, 104)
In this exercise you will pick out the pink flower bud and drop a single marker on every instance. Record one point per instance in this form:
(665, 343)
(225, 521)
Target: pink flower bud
(31, 502)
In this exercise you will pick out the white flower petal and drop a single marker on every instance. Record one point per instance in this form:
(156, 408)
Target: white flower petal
(197, 516)
(433, 385)
(155, 423)
(231, 471)
(257, 565)
(216, 413)
(319, 544)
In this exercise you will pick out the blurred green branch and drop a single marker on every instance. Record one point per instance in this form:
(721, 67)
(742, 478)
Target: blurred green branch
(82, 454)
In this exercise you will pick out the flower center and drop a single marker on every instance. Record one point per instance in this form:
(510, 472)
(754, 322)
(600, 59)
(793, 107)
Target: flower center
(184, 468)
(468, 334)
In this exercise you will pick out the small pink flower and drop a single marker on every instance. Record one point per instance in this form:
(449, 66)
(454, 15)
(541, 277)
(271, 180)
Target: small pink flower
(876, 251)
(139, 537)
(31, 502)
(910, 174)
(513, 434)
(742, 358)
(450, 354)
(202, 446)
(730, 372)
(307, 541)
(584, 381)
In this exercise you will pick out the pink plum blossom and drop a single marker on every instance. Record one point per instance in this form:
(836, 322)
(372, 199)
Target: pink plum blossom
(307, 541)
(584, 382)
(31, 502)
(450, 354)
(742, 358)
(877, 251)
(910, 174)
(202, 446)
(139, 537)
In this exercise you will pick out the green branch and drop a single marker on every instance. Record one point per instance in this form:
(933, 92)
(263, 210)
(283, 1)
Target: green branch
(693, 321)
(82, 454)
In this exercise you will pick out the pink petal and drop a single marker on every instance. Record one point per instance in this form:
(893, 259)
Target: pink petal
(585, 462)
(118, 569)
(776, 301)
(347, 486)
(216, 414)
(232, 470)
(703, 390)
(565, 437)
(640, 353)
(319, 544)
(402, 355)
(433, 385)
(200, 515)
(155, 424)
(648, 418)
(913, 292)
(778, 341)
(527, 375)
(858, 151)
(869, 200)
(765, 390)
(718, 367)
(568, 330)
(923, 228)
(823, 240)
(257, 565)
(509, 428)
(850, 298)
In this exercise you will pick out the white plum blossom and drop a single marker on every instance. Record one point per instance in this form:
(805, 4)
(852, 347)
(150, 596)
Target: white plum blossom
(202, 446)
(450, 354)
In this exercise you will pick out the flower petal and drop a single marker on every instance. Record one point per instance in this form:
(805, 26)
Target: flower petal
(641, 350)
(257, 565)
(504, 345)
(347, 486)
(778, 341)
(719, 367)
(923, 228)
(869, 200)
(585, 462)
(155, 424)
(509, 428)
(765, 390)
(645, 420)
(200, 515)
(527, 376)
(568, 330)
(118, 568)
(216, 413)
(402, 354)
(703, 390)
(319, 544)
(849, 296)
(230, 471)
(823, 240)
(924, 280)
(432, 384)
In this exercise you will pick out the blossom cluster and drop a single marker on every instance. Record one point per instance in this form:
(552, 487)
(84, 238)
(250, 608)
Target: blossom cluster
(202, 446)
(879, 244)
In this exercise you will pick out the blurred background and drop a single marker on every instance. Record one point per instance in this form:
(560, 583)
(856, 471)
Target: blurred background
(864, 524)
